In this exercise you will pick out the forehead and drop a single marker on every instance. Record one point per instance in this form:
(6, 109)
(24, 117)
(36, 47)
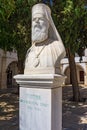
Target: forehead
(38, 15)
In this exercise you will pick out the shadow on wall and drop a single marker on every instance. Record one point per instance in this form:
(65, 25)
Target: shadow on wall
(10, 72)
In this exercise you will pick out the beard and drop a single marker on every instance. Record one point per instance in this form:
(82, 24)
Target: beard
(39, 35)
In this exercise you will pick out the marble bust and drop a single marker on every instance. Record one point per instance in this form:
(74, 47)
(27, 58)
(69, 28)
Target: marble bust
(47, 49)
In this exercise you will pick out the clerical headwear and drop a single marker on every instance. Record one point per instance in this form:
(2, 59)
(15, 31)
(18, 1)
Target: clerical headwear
(40, 9)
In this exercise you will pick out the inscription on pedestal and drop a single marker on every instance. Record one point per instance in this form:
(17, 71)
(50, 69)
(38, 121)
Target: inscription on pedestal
(35, 109)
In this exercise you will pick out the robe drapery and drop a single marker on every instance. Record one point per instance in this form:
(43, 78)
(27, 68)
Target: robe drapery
(44, 57)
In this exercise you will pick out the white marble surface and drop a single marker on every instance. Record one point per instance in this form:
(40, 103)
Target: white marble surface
(47, 48)
(40, 80)
(40, 109)
(40, 86)
(35, 109)
(40, 101)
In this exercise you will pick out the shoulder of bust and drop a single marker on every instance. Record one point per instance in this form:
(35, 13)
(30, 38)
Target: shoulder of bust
(55, 41)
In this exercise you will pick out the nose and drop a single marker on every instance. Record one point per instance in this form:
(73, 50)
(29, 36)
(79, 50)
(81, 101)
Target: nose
(37, 20)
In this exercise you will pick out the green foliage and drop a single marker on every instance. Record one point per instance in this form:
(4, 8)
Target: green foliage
(6, 8)
(5, 36)
(70, 17)
(15, 25)
(21, 23)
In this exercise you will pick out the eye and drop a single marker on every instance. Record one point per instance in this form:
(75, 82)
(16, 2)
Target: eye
(38, 19)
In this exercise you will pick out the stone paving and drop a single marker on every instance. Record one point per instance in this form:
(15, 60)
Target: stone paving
(74, 114)
(9, 110)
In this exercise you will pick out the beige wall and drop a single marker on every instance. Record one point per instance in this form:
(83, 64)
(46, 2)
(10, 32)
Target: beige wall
(6, 58)
(79, 68)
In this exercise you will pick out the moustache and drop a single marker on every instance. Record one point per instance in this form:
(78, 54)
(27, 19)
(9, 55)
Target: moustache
(37, 26)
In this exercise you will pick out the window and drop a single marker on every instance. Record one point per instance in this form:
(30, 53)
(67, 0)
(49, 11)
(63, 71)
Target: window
(81, 74)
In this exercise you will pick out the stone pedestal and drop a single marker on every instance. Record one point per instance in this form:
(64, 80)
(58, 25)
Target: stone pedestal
(40, 101)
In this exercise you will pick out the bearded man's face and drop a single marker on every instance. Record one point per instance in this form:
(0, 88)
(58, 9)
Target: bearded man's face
(40, 28)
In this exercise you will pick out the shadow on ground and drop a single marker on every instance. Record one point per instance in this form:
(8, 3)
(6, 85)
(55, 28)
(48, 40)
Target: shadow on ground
(8, 110)
(74, 114)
